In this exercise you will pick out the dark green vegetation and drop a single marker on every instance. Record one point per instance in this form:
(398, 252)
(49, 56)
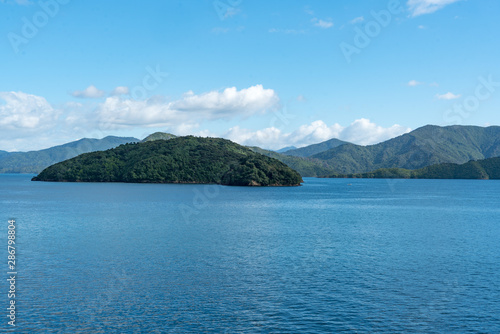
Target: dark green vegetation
(178, 160)
(36, 161)
(423, 147)
(305, 166)
(311, 150)
(480, 169)
(159, 136)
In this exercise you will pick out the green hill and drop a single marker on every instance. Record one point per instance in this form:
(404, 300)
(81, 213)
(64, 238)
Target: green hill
(480, 169)
(306, 167)
(311, 150)
(36, 161)
(423, 147)
(178, 160)
(159, 136)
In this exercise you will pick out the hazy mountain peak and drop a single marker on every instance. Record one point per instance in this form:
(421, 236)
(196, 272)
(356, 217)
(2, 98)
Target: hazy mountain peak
(310, 150)
(159, 136)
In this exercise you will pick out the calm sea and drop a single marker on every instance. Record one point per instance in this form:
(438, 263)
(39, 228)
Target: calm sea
(335, 255)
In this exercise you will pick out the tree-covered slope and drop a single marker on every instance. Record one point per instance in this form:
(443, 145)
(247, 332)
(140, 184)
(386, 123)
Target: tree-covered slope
(306, 167)
(480, 169)
(178, 160)
(311, 150)
(423, 147)
(36, 161)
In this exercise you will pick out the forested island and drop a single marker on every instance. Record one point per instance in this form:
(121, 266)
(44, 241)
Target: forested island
(177, 160)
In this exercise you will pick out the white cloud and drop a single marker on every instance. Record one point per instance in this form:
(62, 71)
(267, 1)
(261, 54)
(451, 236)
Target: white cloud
(26, 121)
(421, 7)
(91, 92)
(230, 101)
(266, 137)
(361, 131)
(29, 122)
(22, 112)
(117, 112)
(121, 90)
(447, 96)
(413, 83)
(357, 20)
(364, 132)
(421, 27)
(325, 24)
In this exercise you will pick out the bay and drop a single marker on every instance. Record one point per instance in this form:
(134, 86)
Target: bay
(334, 255)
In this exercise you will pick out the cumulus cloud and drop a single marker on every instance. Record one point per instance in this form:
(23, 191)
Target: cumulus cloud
(22, 112)
(229, 101)
(447, 96)
(361, 131)
(91, 92)
(421, 7)
(29, 122)
(121, 90)
(117, 112)
(25, 121)
(364, 132)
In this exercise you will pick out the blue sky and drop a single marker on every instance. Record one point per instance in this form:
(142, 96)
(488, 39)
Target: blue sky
(267, 73)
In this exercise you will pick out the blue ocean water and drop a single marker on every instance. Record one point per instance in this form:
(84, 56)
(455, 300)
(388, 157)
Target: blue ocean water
(335, 255)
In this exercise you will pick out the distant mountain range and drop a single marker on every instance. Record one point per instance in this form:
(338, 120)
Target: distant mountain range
(422, 147)
(425, 146)
(284, 149)
(486, 169)
(36, 161)
(305, 166)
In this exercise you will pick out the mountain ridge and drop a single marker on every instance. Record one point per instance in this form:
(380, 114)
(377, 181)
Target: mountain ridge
(422, 147)
(305, 166)
(310, 150)
(36, 161)
(485, 169)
